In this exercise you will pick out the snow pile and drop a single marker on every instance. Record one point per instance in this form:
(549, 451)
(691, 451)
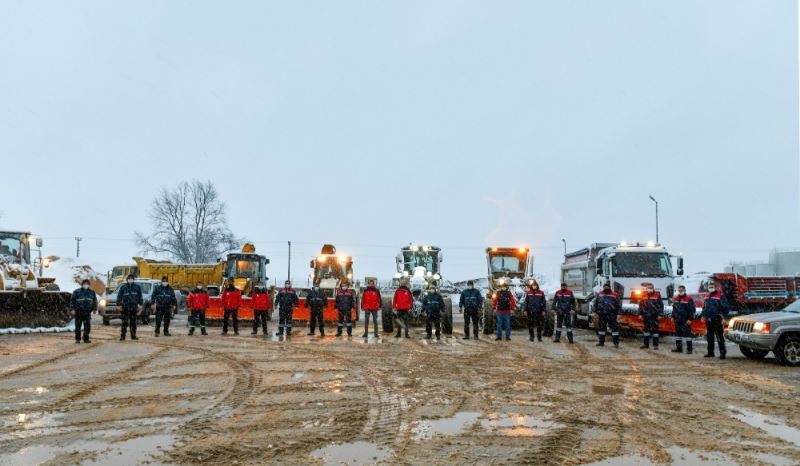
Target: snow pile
(70, 327)
(69, 275)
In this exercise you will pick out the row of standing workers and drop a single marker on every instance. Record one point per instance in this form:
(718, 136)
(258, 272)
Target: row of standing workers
(607, 308)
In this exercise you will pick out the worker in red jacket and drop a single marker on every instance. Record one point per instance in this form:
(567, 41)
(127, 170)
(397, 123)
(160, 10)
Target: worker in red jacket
(371, 304)
(261, 307)
(402, 303)
(198, 303)
(231, 301)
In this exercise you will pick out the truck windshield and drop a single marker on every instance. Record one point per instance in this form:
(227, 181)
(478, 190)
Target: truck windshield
(241, 267)
(642, 264)
(13, 247)
(414, 259)
(506, 264)
(124, 271)
(794, 307)
(332, 268)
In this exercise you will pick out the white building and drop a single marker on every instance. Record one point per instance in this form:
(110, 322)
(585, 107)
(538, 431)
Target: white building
(782, 262)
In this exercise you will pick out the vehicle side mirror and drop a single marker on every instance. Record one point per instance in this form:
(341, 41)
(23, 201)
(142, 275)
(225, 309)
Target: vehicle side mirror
(39, 242)
(313, 264)
(680, 266)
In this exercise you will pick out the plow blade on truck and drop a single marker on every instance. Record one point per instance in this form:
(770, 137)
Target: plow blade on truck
(34, 308)
(666, 326)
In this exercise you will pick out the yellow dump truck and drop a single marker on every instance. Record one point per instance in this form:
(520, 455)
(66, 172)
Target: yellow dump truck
(181, 276)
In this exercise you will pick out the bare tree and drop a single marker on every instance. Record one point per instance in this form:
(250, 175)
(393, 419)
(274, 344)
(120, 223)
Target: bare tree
(189, 224)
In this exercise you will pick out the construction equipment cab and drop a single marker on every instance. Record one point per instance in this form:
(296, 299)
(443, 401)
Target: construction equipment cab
(512, 267)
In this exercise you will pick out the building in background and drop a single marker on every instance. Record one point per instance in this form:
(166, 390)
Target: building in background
(782, 262)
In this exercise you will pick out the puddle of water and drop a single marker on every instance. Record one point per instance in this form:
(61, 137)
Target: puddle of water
(298, 375)
(771, 425)
(36, 390)
(605, 390)
(516, 425)
(622, 461)
(128, 452)
(686, 456)
(353, 454)
(774, 459)
(449, 426)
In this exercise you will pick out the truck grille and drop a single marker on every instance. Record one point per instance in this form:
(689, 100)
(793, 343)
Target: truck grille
(745, 327)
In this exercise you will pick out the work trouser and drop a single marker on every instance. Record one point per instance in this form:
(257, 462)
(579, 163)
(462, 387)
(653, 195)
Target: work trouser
(564, 319)
(345, 318)
(471, 315)
(129, 318)
(285, 320)
(197, 317)
(83, 319)
(230, 314)
(683, 332)
(163, 314)
(316, 319)
(608, 322)
(402, 320)
(535, 322)
(260, 317)
(714, 329)
(503, 322)
(367, 315)
(650, 330)
(434, 321)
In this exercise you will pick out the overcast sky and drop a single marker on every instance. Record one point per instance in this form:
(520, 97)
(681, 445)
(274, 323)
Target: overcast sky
(371, 124)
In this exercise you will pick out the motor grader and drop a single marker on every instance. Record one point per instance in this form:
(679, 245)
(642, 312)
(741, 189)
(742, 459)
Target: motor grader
(419, 266)
(328, 270)
(25, 299)
(512, 267)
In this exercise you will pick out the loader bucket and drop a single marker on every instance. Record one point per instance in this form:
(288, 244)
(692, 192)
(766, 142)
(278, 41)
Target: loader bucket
(34, 308)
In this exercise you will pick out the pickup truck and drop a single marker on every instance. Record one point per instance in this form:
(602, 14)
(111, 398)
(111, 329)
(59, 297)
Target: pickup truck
(108, 309)
(758, 334)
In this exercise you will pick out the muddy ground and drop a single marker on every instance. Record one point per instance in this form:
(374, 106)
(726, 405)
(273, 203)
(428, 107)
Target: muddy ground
(255, 400)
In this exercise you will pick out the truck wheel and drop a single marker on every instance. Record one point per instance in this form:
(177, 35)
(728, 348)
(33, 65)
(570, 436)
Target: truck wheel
(788, 351)
(106, 321)
(488, 319)
(447, 323)
(751, 353)
(387, 316)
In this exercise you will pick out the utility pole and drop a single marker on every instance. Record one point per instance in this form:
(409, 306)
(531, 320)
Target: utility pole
(565, 246)
(78, 240)
(656, 202)
(289, 271)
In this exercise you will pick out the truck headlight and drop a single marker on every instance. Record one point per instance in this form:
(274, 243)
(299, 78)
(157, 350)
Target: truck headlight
(103, 302)
(730, 323)
(761, 327)
(437, 276)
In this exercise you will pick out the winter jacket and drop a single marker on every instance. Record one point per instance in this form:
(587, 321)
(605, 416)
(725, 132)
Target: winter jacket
(261, 302)
(345, 299)
(564, 301)
(316, 300)
(231, 299)
(129, 296)
(371, 299)
(83, 301)
(715, 306)
(535, 301)
(471, 299)
(607, 304)
(164, 296)
(198, 300)
(683, 308)
(433, 305)
(651, 306)
(504, 302)
(403, 300)
(286, 299)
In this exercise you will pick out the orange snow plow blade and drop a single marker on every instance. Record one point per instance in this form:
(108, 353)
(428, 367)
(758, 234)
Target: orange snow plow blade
(665, 324)
(215, 310)
(330, 314)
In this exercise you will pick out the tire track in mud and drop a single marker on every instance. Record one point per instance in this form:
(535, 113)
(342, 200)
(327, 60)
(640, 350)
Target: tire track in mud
(46, 361)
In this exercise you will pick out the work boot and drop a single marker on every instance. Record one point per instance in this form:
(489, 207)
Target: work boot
(322, 333)
(531, 338)
(645, 346)
(157, 334)
(466, 337)
(191, 331)
(86, 340)
(203, 331)
(407, 334)
(167, 334)
(122, 338)
(349, 333)
(677, 350)
(236, 332)
(508, 338)
(376, 335)
(428, 336)
(134, 337)
(600, 343)
(254, 332)
(689, 348)
(497, 339)
(708, 355)
(616, 344)
(722, 356)
(310, 334)
(78, 342)
(339, 333)
(279, 333)
(439, 338)
(365, 335)
(477, 337)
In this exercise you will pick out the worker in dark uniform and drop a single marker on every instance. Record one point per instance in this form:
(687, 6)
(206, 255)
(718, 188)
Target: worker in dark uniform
(81, 305)
(261, 305)
(564, 306)
(129, 298)
(535, 309)
(316, 301)
(285, 301)
(166, 302)
(607, 306)
(345, 304)
(433, 306)
(650, 309)
(715, 311)
(683, 312)
(470, 303)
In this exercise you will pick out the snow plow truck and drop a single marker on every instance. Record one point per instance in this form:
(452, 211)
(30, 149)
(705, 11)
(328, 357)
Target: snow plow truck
(418, 267)
(327, 271)
(25, 299)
